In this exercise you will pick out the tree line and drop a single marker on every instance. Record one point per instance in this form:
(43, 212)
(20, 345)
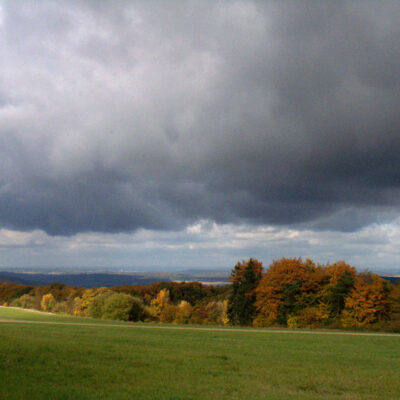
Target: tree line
(290, 292)
(183, 302)
(296, 293)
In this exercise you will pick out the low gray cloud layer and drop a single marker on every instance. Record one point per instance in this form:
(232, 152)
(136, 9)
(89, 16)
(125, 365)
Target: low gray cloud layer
(117, 116)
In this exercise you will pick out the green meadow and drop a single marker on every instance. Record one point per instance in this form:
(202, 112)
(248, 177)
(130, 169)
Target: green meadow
(94, 359)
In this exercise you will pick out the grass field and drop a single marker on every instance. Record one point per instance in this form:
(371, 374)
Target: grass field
(107, 360)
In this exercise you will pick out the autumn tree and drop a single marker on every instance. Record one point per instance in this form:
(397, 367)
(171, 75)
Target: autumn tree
(288, 286)
(367, 303)
(241, 305)
(25, 301)
(216, 312)
(161, 301)
(395, 300)
(312, 317)
(168, 313)
(48, 302)
(11, 291)
(183, 312)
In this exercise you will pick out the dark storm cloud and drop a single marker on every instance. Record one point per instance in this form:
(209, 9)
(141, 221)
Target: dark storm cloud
(116, 117)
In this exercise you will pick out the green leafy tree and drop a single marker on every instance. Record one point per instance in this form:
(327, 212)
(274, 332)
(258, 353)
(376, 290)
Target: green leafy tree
(25, 301)
(123, 307)
(95, 309)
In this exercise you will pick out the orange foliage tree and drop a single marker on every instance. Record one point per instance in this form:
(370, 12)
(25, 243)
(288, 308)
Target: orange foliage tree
(288, 286)
(367, 303)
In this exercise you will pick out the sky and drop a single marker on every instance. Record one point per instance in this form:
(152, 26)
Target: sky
(174, 135)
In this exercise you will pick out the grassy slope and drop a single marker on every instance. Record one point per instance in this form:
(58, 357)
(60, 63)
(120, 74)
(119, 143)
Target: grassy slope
(98, 362)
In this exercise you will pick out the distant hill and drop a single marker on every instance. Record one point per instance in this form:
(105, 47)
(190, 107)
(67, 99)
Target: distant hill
(7, 277)
(97, 279)
(94, 279)
(87, 280)
(391, 279)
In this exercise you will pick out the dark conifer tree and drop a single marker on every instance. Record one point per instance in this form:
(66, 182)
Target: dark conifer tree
(245, 278)
(337, 294)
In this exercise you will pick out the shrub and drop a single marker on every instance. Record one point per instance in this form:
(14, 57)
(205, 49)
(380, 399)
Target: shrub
(120, 306)
(25, 301)
(149, 314)
(168, 313)
(262, 321)
(293, 321)
(215, 313)
(312, 317)
(61, 307)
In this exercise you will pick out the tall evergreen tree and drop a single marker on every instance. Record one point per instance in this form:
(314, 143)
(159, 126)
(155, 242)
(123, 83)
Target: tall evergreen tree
(338, 293)
(245, 277)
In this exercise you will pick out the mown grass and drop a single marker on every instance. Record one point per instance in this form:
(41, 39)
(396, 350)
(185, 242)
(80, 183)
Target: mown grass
(111, 362)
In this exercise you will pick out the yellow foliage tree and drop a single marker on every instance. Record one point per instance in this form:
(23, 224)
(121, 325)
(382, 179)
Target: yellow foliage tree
(48, 302)
(160, 301)
(183, 312)
(225, 318)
